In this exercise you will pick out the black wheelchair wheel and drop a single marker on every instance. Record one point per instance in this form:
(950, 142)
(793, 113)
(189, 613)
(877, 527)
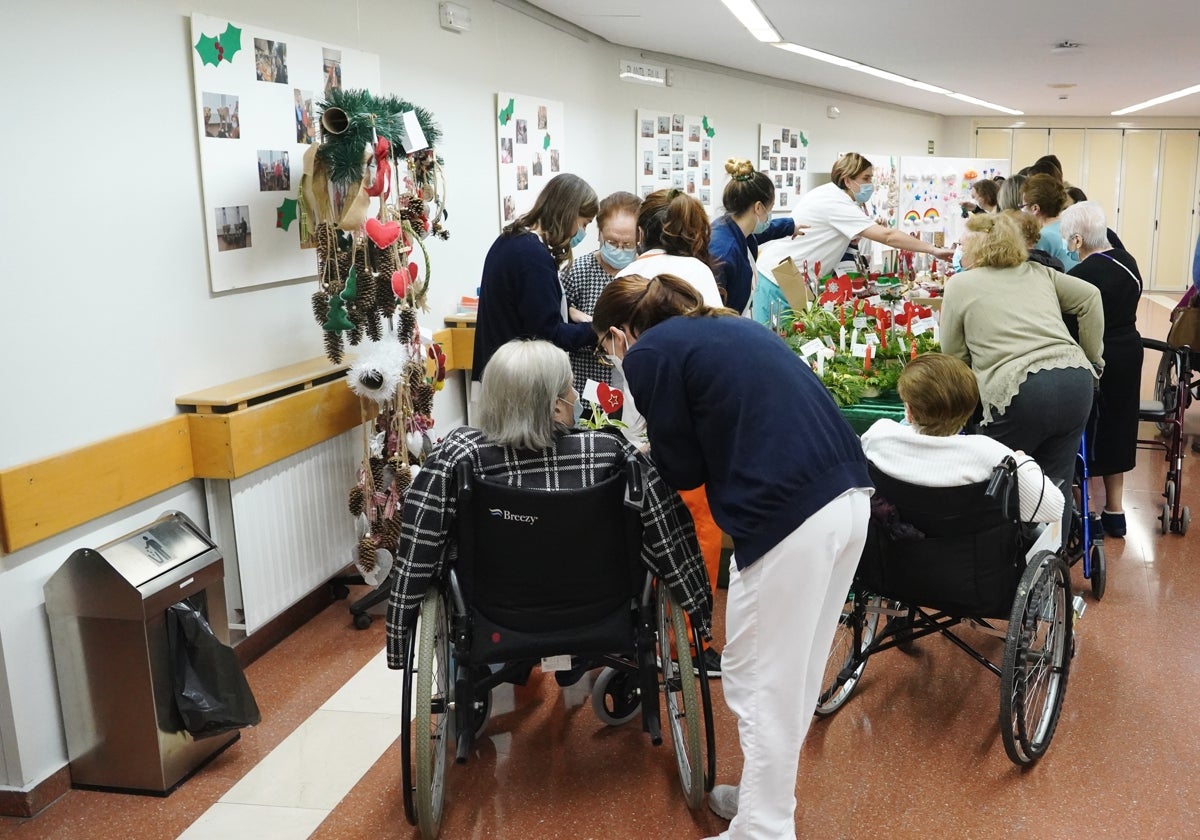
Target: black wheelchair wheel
(1166, 388)
(432, 722)
(1099, 570)
(682, 696)
(1185, 519)
(1164, 519)
(1037, 657)
(846, 662)
(616, 696)
(406, 765)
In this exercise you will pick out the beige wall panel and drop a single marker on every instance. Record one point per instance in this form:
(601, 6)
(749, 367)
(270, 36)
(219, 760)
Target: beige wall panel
(1029, 144)
(1102, 169)
(1067, 145)
(1139, 192)
(993, 143)
(1176, 205)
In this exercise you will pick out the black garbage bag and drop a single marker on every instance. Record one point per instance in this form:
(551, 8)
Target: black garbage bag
(211, 692)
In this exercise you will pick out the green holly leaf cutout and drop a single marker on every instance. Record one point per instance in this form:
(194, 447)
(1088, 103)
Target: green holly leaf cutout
(708, 129)
(207, 48)
(285, 213)
(803, 139)
(546, 141)
(507, 112)
(230, 41)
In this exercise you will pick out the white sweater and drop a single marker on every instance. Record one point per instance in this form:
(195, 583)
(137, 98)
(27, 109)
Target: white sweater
(930, 461)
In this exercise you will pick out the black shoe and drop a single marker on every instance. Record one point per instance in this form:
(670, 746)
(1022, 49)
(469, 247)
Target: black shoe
(568, 678)
(1114, 523)
(712, 664)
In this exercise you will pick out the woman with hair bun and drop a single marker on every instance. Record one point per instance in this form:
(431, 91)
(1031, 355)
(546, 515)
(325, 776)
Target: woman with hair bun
(797, 513)
(749, 198)
(836, 217)
(673, 234)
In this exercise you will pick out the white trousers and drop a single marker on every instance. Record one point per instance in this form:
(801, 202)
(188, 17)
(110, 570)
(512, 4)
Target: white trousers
(780, 618)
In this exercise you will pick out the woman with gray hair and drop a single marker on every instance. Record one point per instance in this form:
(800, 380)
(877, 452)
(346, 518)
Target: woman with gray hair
(526, 409)
(1113, 439)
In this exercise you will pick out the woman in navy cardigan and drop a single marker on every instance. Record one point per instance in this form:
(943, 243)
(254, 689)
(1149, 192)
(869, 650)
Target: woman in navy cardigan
(749, 198)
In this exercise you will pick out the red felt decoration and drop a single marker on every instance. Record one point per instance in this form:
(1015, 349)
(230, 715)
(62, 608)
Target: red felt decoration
(611, 399)
(383, 234)
(400, 283)
(413, 271)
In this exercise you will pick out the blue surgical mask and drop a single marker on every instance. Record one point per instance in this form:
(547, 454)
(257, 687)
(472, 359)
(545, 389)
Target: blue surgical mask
(618, 258)
(576, 410)
(864, 193)
(578, 237)
(760, 227)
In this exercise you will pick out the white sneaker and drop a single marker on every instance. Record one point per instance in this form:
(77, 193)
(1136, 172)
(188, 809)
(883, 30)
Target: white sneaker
(723, 801)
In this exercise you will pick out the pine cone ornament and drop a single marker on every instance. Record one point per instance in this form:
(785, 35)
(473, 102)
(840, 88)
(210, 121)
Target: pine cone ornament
(391, 532)
(373, 324)
(357, 500)
(376, 465)
(407, 325)
(333, 347)
(366, 554)
(422, 399)
(320, 306)
(414, 373)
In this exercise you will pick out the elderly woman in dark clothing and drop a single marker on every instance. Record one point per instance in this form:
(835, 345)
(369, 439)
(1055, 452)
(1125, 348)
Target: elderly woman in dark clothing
(1113, 441)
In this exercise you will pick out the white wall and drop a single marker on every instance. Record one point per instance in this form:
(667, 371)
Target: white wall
(108, 310)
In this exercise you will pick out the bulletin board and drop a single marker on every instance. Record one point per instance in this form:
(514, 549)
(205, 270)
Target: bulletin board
(884, 205)
(783, 156)
(530, 140)
(256, 92)
(933, 189)
(676, 151)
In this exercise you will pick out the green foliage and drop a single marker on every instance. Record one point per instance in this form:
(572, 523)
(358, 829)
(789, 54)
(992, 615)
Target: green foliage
(369, 116)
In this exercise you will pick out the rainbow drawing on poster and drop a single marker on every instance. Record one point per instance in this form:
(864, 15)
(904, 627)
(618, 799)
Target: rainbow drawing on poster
(912, 217)
(931, 216)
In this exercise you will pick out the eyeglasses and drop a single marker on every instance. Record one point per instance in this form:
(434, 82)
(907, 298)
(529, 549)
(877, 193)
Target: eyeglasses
(601, 355)
(621, 246)
(1023, 206)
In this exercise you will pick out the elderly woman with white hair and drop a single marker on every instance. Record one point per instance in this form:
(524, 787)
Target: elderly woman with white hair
(1113, 440)
(527, 406)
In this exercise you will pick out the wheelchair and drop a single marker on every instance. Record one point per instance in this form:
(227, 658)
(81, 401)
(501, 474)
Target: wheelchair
(939, 557)
(1173, 389)
(1085, 541)
(549, 574)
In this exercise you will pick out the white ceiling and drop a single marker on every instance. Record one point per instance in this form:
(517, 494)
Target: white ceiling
(1132, 51)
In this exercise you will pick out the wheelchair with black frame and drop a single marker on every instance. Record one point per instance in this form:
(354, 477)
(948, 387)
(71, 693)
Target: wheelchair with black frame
(542, 574)
(936, 558)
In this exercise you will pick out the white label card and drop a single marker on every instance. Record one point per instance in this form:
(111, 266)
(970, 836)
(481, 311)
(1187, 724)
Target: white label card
(810, 347)
(556, 663)
(858, 350)
(860, 322)
(412, 136)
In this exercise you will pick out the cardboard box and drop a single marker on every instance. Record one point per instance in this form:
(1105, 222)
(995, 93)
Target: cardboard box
(791, 283)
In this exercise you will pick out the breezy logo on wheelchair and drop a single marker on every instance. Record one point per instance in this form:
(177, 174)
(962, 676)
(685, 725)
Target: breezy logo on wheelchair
(509, 516)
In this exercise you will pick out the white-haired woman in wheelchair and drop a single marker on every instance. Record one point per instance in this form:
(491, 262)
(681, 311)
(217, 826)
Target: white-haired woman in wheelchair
(940, 393)
(527, 406)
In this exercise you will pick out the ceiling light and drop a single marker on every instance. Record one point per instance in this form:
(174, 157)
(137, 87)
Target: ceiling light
(751, 17)
(962, 97)
(1066, 48)
(1158, 100)
(838, 61)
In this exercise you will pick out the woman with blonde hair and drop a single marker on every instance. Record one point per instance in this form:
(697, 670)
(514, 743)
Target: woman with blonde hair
(1004, 318)
(749, 198)
(835, 217)
(797, 513)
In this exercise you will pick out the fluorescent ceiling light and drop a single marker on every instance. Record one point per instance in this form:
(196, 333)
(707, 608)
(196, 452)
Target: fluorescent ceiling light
(838, 61)
(638, 77)
(751, 17)
(1158, 100)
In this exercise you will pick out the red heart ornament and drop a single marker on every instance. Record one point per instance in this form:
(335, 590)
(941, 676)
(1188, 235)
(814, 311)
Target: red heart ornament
(383, 234)
(611, 399)
(400, 283)
(413, 271)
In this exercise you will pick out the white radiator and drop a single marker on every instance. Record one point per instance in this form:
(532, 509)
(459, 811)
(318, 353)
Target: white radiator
(284, 529)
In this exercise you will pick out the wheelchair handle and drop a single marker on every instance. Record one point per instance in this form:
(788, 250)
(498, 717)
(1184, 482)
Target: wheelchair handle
(1000, 476)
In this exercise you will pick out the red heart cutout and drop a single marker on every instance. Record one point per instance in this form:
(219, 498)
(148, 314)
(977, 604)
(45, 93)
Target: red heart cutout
(383, 234)
(611, 399)
(413, 271)
(399, 283)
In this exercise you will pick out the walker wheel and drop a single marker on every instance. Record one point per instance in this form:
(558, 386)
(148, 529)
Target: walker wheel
(1164, 519)
(362, 621)
(1098, 571)
(1169, 493)
(1185, 519)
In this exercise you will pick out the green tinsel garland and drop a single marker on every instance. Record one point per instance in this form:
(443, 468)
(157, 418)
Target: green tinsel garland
(369, 116)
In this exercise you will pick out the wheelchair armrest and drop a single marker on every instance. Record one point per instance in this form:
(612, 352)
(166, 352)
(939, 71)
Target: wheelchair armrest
(464, 480)
(635, 484)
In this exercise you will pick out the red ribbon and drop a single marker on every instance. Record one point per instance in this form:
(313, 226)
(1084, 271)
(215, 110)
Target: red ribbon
(383, 170)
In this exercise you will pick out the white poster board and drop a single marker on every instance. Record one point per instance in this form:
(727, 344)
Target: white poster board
(933, 189)
(255, 96)
(675, 151)
(530, 139)
(783, 156)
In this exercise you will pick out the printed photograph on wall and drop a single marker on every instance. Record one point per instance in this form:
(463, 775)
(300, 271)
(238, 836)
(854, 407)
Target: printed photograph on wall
(220, 116)
(530, 139)
(233, 227)
(676, 156)
(331, 69)
(782, 153)
(276, 81)
(270, 61)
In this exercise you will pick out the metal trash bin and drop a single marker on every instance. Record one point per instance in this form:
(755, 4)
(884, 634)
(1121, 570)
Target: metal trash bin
(107, 610)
